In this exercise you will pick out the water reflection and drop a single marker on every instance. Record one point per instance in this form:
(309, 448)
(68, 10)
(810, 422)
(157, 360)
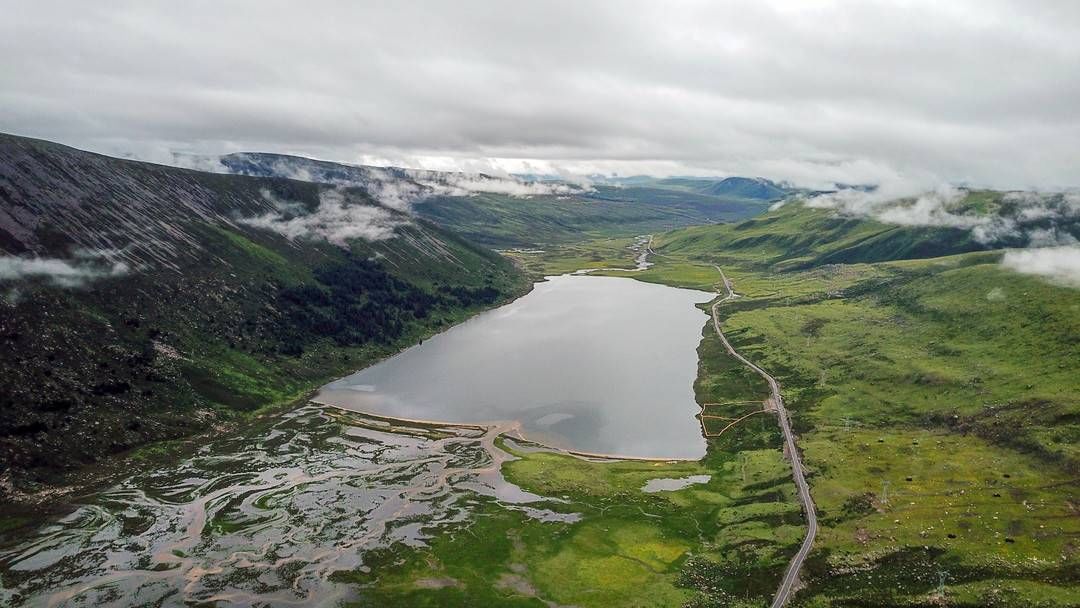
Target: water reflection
(596, 364)
(267, 517)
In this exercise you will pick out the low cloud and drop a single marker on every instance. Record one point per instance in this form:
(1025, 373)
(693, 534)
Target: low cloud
(468, 184)
(395, 187)
(197, 162)
(1024, 219)
(75, 272)
(898, 203)
(336, 220)
(1059, 264)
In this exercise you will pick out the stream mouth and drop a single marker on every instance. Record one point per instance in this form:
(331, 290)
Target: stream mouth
(266, 517)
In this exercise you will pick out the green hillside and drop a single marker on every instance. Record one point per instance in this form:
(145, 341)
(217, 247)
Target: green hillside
(795, 237)
(935, 397)
(937, 407)
(188, 302)
(506, 221)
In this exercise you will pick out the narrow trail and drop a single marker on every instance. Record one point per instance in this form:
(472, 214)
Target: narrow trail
(791, 575)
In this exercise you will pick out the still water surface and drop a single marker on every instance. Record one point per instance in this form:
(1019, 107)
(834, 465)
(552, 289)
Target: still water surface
(595, 364)
(266, 517)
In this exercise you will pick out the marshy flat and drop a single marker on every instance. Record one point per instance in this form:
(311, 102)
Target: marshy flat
(594, 364)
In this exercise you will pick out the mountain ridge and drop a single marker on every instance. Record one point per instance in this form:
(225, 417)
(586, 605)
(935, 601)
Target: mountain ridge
(143, 302)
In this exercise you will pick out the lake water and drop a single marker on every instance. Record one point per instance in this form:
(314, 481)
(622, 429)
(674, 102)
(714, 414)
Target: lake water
(594, 364)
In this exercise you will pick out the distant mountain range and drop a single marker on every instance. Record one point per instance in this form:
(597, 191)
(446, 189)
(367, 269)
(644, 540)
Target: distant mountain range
(490, 210)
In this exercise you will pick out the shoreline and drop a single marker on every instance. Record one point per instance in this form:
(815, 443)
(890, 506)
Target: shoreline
(57, 490)
(515, 425)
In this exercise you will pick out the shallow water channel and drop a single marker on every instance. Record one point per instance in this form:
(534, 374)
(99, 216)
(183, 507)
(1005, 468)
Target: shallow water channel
(267, 516)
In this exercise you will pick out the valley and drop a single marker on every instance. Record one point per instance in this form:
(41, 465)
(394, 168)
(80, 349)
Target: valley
(881, 414)
(591, 304)
(188, 315)
(933, 399)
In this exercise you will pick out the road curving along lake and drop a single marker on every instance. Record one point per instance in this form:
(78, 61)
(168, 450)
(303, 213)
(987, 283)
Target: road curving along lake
(602, 365)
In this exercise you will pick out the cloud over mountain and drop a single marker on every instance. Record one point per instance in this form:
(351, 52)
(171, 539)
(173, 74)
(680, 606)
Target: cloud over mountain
(336, 219)
(1026, 219)
(74, 272)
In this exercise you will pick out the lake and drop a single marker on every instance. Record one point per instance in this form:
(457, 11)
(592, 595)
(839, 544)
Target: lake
(267, 516)
(594, 364)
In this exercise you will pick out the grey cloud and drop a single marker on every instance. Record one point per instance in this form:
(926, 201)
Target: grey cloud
(968, 91)
(1029, 219)
(467, 184)
(336, 220)
(393, 187)
(388, 187)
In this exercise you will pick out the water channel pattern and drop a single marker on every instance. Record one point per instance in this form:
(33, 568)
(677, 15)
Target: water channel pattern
(266, 517)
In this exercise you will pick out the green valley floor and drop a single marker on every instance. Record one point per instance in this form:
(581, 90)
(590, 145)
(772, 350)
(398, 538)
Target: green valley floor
(937, 406)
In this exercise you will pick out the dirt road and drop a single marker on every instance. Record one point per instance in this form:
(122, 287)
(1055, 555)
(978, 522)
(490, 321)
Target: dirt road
(791, 575)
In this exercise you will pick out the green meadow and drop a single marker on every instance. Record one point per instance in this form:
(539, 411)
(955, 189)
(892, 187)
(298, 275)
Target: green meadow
(936, 400)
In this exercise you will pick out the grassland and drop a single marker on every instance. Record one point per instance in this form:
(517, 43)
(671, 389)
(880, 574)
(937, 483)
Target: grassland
(937, 401)
(629, 548)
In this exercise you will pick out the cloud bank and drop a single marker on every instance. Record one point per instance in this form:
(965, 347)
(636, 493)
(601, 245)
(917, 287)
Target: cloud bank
(394, 187)
(980, 92)
(1026, 219)
(468, 184)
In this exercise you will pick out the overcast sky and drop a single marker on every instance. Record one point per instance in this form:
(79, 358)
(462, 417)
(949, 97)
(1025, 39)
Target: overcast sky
(982, 91)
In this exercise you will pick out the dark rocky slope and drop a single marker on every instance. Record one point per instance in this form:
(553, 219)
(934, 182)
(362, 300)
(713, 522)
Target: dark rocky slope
(142, 302)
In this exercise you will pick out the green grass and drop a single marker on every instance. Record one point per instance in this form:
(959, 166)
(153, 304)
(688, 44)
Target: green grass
(932, 341)
(795, 237)
(950, 371)
(630, 548)
(562, 259)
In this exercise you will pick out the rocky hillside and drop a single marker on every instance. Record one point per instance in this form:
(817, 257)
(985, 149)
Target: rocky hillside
(142, 302)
